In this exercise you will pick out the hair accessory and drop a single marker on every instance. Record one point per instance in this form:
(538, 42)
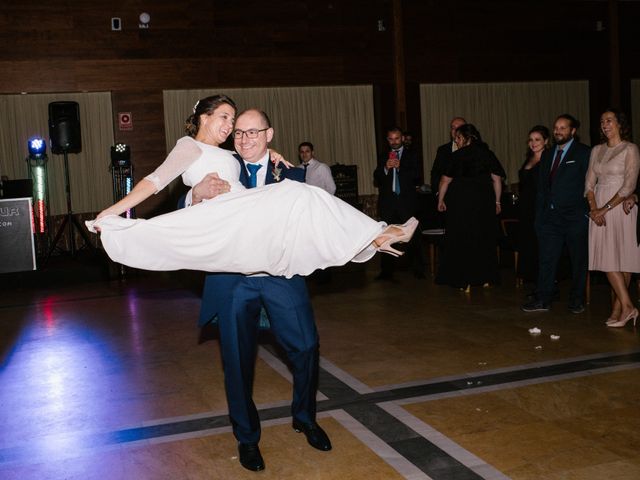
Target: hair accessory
(196, 106)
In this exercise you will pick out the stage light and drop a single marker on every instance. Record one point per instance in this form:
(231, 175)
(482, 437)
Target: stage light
(128, 186)
(37, 147)
(120, 155)
(40, 194)
(122, 174)
(37, 161)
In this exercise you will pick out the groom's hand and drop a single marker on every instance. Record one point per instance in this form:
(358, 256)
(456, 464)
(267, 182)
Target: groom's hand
(209, 187)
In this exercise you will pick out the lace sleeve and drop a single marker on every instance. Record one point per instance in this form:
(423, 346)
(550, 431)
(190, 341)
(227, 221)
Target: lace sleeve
(591, 177)
(631, 168)
(179, 159)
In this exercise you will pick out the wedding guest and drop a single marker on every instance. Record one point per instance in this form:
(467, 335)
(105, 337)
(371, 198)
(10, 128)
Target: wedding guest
(469, 193)
(612, 176)
(527, 242)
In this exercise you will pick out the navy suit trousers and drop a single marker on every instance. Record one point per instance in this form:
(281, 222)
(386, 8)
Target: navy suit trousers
(292, 323)
(554, 231)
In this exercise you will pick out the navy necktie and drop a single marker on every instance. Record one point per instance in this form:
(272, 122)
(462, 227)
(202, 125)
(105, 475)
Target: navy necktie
(253, 174)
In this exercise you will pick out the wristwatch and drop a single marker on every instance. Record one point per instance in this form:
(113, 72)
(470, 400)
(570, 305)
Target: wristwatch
(608, 206)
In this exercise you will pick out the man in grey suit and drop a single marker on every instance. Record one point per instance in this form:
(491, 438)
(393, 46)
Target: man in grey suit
(561, 215)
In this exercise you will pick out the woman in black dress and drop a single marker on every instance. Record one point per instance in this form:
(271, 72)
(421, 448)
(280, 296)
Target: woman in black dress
(537, 143)
(469, 193)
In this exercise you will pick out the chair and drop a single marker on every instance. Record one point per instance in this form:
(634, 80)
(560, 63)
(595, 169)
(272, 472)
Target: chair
(433, 238)
(509, 242)
(346, 180)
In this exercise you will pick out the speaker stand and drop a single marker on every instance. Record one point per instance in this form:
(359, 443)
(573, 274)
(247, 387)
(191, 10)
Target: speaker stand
(69, 220)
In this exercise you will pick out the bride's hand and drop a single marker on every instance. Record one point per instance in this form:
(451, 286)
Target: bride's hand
(277, 159)
(91, 225)
(104, 213)
(112, 210)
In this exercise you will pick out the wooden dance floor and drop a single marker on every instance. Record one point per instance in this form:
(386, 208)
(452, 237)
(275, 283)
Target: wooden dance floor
(111, 379)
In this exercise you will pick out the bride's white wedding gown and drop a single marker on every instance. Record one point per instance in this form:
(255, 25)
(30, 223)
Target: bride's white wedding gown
(286, 228)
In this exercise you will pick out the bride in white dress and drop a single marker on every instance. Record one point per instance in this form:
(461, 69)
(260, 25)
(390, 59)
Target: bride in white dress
(285, 229)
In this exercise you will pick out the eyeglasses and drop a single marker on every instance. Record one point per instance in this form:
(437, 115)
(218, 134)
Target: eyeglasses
(251, 133)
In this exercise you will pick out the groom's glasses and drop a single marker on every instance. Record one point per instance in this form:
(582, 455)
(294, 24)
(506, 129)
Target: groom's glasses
(251, 133)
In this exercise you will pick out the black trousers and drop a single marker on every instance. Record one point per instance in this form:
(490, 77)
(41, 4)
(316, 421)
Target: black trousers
(396, 210)
(555, 230)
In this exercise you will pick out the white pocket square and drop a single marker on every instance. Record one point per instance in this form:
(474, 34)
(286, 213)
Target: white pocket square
(572, 161)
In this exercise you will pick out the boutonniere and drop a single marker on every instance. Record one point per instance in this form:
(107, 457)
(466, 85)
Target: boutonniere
(276, 172)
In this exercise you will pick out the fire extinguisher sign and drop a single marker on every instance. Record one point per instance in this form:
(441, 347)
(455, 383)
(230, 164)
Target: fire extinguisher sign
(125, 121)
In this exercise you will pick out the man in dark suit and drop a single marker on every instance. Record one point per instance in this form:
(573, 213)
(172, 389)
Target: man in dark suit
(396, 177)
(561, 215)
(443, 155)
(236, 301)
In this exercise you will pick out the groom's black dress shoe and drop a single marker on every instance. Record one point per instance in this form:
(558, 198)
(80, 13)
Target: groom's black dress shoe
(316, 436)
(250, 457)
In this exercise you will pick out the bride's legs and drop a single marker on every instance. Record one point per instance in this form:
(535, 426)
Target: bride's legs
(390, 231)
(395, 234)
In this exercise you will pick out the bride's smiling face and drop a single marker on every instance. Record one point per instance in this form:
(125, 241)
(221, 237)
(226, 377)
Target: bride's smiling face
(215, 128)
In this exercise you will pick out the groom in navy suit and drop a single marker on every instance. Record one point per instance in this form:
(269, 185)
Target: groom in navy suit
(236, 300)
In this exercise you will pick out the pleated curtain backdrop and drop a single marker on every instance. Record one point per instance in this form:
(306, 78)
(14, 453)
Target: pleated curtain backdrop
(25, 116)
(503, 113)
(338, 120)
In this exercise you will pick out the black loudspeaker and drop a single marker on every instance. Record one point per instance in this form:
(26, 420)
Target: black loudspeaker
(64, 127)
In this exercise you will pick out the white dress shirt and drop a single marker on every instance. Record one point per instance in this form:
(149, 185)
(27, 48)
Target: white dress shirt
(319, 175)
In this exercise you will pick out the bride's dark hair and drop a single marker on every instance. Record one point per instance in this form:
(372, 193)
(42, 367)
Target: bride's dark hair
(205, 106)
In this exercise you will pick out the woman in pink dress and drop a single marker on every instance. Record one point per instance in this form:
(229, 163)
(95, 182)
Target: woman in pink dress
(612, 175)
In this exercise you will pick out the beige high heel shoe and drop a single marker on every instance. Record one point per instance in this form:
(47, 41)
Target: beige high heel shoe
(611, 320)
(621, 323)
(384, 241)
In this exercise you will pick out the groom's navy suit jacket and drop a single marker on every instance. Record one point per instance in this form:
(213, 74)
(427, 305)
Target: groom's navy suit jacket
(218, 287)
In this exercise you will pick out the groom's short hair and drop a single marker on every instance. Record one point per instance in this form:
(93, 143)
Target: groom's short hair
(262, 113)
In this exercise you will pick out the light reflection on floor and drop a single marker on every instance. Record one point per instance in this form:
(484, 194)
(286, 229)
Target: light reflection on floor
(111, 380)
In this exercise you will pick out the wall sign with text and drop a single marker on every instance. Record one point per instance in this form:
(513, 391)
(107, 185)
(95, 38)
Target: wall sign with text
(17, 249)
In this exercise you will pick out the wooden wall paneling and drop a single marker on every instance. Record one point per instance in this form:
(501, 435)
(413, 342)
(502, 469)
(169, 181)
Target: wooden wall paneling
(69, 46)
(146, 140)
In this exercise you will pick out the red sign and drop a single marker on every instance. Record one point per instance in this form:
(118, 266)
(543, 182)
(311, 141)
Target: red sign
(125, 121)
